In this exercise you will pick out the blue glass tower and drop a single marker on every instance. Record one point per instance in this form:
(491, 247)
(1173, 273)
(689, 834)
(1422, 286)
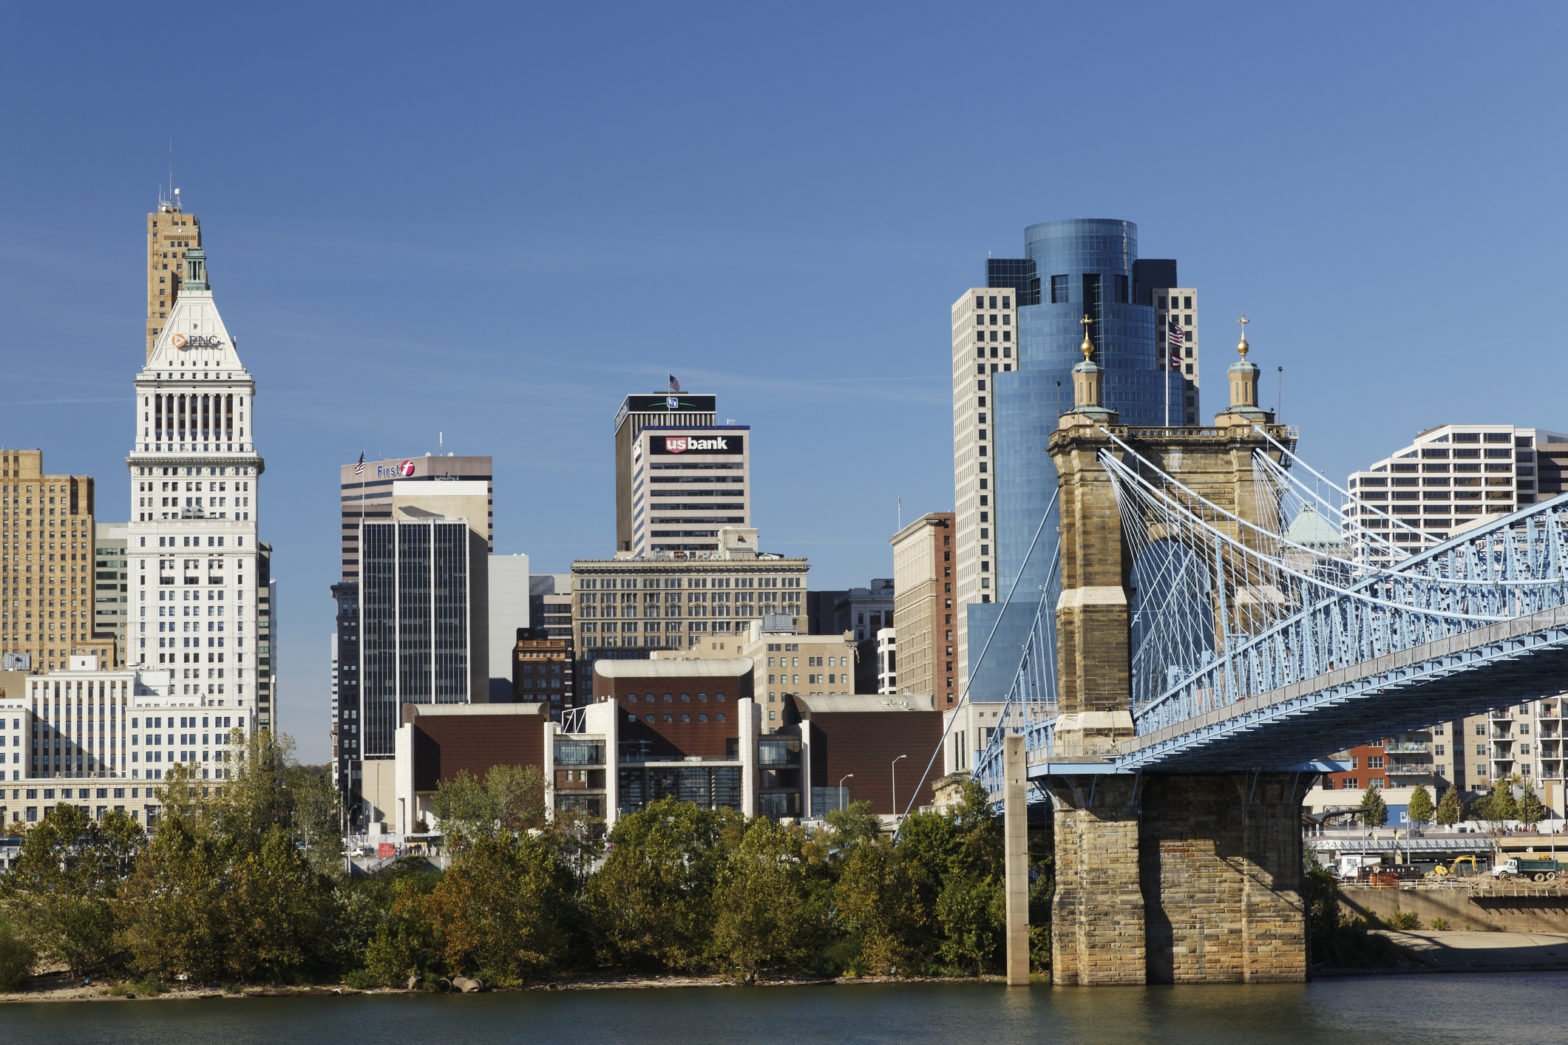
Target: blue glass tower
(1072, 269)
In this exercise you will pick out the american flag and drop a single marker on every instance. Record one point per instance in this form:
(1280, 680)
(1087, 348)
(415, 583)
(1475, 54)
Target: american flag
(359, 469)
(675, 386)
(1175, 339)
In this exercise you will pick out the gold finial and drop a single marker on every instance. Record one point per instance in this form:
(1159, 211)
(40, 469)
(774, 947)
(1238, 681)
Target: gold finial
(1087, 348)
(1242, 346)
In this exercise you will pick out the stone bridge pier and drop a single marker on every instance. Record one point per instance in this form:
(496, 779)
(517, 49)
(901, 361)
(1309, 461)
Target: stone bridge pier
(1159, 878)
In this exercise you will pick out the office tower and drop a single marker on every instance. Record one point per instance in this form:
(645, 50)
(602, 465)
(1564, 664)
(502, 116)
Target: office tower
(365, 494)
(922, 565)
(46, 571)
(542, 670)
(197, 578)
(550, 605)
(687, 484)
(170, 233)
(1015, 342)
(506, 612)
(674, 409)
(418, 627)
(195, 639)
(1450, 479)
(111, 584)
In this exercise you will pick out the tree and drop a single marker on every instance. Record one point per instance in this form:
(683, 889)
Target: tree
(760, 902)
(63, 887)
(652, 901)
(1531, 810)
(878, 905)
(852, 825)
(509, 799)
(1421, 808)
(1499, 805)
(1449, 809)
(1374, 812)
(17, 956)
(502, 907)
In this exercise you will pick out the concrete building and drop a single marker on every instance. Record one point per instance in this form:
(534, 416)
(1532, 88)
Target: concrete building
(111, 585)
(550, 604)
(887, 661)
(869, 748)
(365, 494)
(672, 409)
(788, 663)
(46, 571)
(1015, 342)
(195, 645)
(626, 608)
(170, 233)
(1453, 477)
(687, 485)
(506, 614)
(923, 605)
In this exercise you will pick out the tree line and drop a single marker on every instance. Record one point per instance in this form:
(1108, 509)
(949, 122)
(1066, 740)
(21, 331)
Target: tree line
(246, 884)
(1497, 806)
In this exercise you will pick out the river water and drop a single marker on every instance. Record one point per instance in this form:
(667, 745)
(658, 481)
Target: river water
(1514, 1007)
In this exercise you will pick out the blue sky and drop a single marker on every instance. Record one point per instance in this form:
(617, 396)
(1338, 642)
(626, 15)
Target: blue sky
(493, 222)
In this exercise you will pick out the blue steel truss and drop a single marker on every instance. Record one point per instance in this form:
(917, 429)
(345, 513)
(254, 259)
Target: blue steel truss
(1250, 651)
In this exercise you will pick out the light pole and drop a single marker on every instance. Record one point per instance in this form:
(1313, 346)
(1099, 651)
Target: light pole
(893, 770)
(841, 780)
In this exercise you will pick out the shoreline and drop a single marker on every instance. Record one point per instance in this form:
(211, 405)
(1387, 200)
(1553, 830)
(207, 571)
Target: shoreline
(1425, 953)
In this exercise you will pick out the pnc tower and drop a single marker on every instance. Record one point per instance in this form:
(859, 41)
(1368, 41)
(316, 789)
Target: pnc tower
(196, 574)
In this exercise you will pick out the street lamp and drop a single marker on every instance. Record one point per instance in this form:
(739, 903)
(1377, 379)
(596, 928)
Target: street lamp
(841, 780)
(894, 772)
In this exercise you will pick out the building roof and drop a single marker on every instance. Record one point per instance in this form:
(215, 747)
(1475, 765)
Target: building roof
(864, 702)
(1310, 530)
(723, 667)
(412, 711)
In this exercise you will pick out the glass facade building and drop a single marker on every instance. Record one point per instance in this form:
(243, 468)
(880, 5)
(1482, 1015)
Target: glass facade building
(414, 625)
(1071, 269)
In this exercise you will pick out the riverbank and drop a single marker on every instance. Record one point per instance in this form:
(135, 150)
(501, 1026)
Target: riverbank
(1449, 951)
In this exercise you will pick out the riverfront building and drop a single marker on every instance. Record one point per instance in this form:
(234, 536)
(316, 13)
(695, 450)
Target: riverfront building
(923, 605)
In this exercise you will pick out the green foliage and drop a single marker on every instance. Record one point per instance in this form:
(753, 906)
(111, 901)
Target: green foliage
(1499, 805)
(17, 957)
(972, 915)
(852, 825)
(1421, 808)
(502, 906)
(404, 944)
(1440, 924)
(1374, 812)
(879, 907)
(652, 901)
(510, 799)
(1042, 888)
(1333, 940)
(1531, 810)
(1449, 808)
(761, 903)
(1404, 920)
(64, 886)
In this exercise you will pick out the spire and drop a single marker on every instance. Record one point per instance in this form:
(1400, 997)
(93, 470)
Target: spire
(195, 270)
(1243, 378)
(1087, 348)
(1088, 387)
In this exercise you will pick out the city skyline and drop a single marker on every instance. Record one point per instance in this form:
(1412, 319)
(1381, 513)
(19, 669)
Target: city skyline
(487, 262)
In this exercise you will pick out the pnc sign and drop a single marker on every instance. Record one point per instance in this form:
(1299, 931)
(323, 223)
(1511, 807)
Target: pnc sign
(187, 341)
(697, 444)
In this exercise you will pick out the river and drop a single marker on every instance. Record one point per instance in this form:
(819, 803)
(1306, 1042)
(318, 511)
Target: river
(1513, 1007)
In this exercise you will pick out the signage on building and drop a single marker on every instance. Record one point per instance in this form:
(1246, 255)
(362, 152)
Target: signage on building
(396, 471)
(197, 341)
(697, 444)
(666, 404)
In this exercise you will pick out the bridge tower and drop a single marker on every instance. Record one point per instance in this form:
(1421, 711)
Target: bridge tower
(1159, 878)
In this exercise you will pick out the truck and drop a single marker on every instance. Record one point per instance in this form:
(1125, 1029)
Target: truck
(1539, 869)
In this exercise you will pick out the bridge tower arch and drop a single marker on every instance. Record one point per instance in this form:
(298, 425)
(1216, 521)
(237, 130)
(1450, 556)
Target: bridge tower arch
(1160, 877)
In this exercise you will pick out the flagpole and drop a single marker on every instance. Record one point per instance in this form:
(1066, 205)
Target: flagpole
(1165, 339)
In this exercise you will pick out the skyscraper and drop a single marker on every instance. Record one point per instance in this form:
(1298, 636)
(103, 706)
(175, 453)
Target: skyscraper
(675, 409)
(1015, 342)
(170, 233)
(365, 493)
(688, 483)
(46, 571)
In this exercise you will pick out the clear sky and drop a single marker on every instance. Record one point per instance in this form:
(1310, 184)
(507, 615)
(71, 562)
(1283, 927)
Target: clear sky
(495, 221)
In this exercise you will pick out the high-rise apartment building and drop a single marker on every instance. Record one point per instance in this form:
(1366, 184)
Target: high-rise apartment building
(170, 233)
(46, 571)
(1451, 478)
(674, 409)
(1015, 342)
(922, 567)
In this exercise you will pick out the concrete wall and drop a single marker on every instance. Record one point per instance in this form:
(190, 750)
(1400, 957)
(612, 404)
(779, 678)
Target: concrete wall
(1503, 908)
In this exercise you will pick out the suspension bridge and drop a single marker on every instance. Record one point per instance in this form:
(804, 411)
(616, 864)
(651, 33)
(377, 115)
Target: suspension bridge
(1219, 618)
